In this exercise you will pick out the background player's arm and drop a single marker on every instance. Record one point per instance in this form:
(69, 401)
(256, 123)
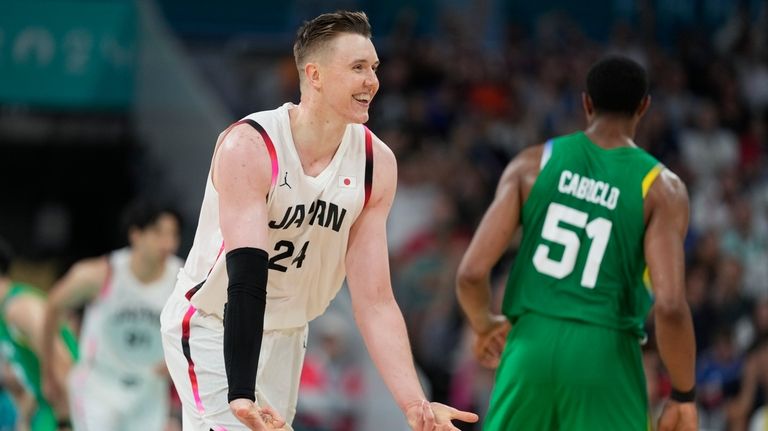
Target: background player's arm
(23, 400)
(79, 285)
(26, 313)
(489, 242)
(666, 227)
(376, 311)
(664, 236)
(241, 173)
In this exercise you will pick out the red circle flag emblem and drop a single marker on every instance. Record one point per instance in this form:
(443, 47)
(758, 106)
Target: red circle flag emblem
(347, 182)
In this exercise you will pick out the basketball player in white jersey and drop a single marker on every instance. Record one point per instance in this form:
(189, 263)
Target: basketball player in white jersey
(297, 199)
(120, 381)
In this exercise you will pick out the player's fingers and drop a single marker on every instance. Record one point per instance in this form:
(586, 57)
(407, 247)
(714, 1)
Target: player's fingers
(495, 345)
(502, 335)
(490, 362)
(463, 416)
(277, 420)
(688, 422)
(251, 418)
(428, 415)
(491, 344)
(668, 420)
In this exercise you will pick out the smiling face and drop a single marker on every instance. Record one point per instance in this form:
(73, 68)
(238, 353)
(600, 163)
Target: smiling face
(344, 76)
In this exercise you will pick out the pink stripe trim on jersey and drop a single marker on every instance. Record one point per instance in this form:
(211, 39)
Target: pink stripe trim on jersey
(270, 147)
(105, 287)
(187, 354)
(185, 324)
(191, 292)
(267, 141)
(221, 250)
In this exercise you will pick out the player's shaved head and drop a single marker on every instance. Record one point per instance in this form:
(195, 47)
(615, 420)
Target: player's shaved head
(617, 85)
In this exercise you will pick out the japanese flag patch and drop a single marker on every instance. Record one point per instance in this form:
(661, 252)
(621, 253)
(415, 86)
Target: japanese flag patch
(347, 182)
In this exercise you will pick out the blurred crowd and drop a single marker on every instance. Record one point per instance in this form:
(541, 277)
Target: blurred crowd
(455, 110)
(455, 113)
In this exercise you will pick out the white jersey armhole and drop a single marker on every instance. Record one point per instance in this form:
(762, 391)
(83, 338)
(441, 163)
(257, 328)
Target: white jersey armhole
(546, 154)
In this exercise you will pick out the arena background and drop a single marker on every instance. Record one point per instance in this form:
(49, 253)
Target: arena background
(103, 102)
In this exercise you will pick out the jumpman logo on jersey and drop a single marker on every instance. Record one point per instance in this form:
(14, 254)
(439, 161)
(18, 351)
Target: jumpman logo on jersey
(285, 181)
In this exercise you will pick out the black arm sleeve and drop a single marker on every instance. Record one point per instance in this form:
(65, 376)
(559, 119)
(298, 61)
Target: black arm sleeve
(244, 319)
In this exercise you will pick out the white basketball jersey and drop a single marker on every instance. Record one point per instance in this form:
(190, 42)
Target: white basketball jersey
(121, 327)
(309, 223)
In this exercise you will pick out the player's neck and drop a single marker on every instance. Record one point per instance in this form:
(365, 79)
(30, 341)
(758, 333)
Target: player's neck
(612, 132)
(316, 132)
(146, 270)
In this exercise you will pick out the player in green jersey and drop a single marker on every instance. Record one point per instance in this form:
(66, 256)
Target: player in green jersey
(22, 308)
(603, 226)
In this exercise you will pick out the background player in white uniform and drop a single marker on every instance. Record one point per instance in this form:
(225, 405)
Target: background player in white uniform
(120, 382)
(294, 194)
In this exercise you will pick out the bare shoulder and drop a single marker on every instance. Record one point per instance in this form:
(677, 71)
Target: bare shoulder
(22, 306)
(668, 191)
(93, 269)
(241, 151)
(240, 135)
(524, 168)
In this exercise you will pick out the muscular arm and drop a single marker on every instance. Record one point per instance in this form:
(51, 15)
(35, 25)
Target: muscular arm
(667, 224)
(26, 313)
(372, 299)
(375, 308)
(241, 173)
(492, 238)
(78, 286)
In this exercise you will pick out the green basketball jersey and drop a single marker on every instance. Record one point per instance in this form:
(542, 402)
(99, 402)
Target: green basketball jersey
(23, 360)
(581, 255)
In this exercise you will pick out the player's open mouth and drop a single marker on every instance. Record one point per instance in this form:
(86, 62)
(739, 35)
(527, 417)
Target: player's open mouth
(364, 99)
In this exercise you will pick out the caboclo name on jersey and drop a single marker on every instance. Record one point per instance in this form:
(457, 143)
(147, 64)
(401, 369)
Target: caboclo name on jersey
(589, 190)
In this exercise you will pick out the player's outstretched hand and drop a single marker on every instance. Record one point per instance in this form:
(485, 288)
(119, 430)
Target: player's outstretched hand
(254, 417)
(490, 343)
(678, 417)
(426, 416)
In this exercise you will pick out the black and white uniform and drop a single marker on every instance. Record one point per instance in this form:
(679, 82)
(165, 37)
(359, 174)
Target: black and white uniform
(118, 382)
(309, 223)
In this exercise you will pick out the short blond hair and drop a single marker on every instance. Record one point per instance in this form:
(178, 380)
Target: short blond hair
(316, 33)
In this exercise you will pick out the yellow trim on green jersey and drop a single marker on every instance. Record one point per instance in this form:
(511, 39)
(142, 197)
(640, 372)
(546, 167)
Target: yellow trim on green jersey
(650, 177)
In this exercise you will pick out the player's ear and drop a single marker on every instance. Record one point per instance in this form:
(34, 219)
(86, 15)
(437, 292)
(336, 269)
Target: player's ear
(133, 235)
(312, 74)
(645, 103)
(586, 103)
